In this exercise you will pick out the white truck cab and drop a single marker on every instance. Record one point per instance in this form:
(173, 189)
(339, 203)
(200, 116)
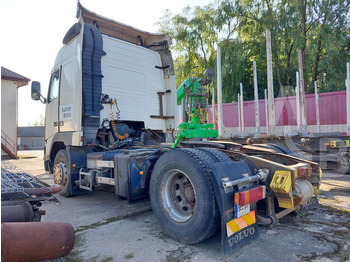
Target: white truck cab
(110, 83)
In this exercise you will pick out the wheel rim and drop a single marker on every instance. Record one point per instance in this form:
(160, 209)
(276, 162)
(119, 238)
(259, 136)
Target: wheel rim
(60, 173)
(344, 159)
(178, 195)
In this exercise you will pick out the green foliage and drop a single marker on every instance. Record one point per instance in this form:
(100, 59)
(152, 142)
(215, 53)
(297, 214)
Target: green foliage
(195, 37)
(38, 122)
(320, 28)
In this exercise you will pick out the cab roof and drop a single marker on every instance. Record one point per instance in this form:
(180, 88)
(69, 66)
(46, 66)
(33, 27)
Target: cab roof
(119, 30)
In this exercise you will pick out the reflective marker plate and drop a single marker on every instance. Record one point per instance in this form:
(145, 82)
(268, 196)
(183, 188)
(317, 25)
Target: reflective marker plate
(241, 210)
(239, 231)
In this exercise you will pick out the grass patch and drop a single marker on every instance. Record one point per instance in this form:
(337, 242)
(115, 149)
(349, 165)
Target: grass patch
(74, 255)
(344, 257)
(111, 220)
(107, 259)
(129, 256)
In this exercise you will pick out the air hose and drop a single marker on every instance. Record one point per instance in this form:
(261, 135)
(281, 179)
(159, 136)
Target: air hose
(120, 137)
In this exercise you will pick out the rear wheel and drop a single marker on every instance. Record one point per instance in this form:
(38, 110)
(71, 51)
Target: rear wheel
(215, 154)
(61, 174)
(344, 160)
(178, 195)
(281, 149)
(182, 196)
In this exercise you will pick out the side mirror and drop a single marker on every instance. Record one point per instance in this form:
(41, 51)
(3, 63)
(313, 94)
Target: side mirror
(36, 95)
(36, 90)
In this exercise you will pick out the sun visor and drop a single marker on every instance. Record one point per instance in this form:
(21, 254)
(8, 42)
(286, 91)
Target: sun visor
(121, 31)
(72, 32)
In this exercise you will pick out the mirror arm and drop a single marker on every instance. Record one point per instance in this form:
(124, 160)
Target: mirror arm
(42, 99)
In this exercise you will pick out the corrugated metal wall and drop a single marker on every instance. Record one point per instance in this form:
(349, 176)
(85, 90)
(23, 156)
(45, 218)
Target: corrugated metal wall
(332, 108)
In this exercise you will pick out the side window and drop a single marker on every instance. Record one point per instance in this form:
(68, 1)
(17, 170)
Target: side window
(54, 86)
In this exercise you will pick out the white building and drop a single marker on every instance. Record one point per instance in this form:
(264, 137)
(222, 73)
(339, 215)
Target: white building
(10, 82)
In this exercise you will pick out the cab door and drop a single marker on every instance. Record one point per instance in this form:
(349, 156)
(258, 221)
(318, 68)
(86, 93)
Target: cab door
(68, 111)
(51, 119)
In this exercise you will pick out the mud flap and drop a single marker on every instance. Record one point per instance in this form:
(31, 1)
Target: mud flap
(234, 232)
(231, 240)
(77, 155)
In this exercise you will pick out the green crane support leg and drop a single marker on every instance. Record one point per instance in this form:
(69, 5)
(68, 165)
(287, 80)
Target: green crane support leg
(194, 90)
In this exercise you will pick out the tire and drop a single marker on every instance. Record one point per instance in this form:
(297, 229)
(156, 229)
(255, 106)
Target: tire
(61, 175)
(182, 196)
(344, 159)
(283, 149)
(215, 154)
(343, 170)
(277, 148)
(347, 172)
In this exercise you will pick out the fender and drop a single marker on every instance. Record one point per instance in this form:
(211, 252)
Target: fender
(77, 158)
(225, 202)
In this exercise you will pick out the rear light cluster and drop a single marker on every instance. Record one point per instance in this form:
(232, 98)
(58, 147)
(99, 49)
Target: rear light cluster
(250, 196)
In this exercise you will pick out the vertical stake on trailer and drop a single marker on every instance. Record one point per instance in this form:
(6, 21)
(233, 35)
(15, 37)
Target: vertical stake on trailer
(266, 113)
(207, 107)
(317, 109)
(242, 108)
(213, 105)
(302, 93)
(219, 96)
(297, 100)
(272, 120)
(348, 97)
(256, 98)
(239, 113)
(183, 113)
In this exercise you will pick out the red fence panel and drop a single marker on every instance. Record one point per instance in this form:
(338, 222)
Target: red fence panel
(332, 108)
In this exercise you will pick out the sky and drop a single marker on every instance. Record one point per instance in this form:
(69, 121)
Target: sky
(32, 33)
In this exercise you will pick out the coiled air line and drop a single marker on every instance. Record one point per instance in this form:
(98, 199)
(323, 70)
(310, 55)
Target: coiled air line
(120, 137)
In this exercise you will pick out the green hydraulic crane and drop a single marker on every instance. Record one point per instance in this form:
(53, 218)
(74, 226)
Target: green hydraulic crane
(194, 92)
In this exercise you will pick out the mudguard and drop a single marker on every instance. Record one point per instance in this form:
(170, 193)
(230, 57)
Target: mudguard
(132, 173)
(77, 159)
(234, 232)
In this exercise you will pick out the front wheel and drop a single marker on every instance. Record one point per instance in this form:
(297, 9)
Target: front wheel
(182, 196)
(61, 173)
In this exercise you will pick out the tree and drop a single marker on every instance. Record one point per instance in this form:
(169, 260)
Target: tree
(195, 38)
(320, 28)
(38, 122)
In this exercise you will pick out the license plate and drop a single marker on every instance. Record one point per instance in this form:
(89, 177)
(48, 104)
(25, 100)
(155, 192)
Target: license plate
(241, 210)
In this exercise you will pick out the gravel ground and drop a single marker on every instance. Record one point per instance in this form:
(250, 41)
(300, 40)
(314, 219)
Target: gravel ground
(108, 229)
